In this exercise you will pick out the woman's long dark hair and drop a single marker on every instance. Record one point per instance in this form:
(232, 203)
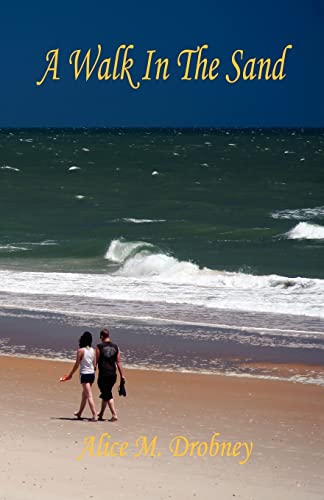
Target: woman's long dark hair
(85, 340)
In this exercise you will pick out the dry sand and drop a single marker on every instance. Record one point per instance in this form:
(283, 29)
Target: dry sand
(40, 440)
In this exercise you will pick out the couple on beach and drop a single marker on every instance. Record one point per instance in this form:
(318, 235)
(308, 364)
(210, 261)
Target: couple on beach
(107, 357)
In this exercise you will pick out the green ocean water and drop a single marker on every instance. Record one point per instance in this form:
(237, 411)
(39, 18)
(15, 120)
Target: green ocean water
(223, 200)
(202, 250)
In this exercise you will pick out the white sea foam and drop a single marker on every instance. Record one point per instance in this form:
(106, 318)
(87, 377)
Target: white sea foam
(7, 167)
(162, 277)
(25, 245)
(238, 292)
(44, 243)
(144, 273)
(299, 213)
(139, 262)
(140, 259)
(142, 221)
(306, 231)
(161, 265)
(11, 248)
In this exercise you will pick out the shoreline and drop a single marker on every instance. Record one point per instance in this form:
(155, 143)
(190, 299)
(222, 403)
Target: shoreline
(147, 347)
(284, 367)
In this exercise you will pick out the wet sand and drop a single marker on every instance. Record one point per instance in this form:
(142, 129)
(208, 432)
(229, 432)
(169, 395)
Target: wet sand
(41, 440)
(145, 344)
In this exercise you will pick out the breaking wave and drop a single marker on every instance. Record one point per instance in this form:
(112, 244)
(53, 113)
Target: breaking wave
(139, 259)
(138, 271)
(306, 231)
(120, 250)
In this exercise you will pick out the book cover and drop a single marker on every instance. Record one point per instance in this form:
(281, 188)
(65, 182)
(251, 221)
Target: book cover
(161, 250)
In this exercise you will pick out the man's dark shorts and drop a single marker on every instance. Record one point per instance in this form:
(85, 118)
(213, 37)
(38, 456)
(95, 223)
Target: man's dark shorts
(105, 384)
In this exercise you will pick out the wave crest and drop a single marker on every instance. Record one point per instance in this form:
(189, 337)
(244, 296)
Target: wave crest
(306, 231)
(139, 259)
(120, 250)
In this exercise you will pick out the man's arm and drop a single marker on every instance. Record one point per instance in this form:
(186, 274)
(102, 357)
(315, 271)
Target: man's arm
(119, 366)
(95, 360)
(97, 355)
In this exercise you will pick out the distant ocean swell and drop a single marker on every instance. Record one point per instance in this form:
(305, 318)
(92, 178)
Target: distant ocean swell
(299, 213)
(120, 250)
(25, 245)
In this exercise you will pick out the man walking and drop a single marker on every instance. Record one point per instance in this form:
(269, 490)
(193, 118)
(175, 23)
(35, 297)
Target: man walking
(108, 357)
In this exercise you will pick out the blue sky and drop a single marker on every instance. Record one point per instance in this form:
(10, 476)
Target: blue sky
(261, 29)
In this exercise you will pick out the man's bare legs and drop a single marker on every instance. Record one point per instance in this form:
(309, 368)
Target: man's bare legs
(87, 396)
(102, 410)
(112, 408)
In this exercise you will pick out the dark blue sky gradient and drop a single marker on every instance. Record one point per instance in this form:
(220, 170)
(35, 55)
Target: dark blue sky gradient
(261, 29)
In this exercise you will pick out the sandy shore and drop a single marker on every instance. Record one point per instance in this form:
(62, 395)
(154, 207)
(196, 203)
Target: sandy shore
(41, 440)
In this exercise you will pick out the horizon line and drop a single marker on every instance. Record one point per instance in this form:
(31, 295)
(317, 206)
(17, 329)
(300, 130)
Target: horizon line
(163, 127)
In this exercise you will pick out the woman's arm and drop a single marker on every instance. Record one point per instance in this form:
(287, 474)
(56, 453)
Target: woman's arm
(119, 366)
(79, 356)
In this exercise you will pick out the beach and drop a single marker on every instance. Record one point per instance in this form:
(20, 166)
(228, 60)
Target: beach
(41, 440)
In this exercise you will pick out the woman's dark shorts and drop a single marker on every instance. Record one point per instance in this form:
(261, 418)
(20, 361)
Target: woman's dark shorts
(105, 384)
(87, 378)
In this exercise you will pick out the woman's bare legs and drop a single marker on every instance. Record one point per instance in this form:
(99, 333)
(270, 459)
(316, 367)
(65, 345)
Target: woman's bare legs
(87, 396)
(88, 392)
(82, 404)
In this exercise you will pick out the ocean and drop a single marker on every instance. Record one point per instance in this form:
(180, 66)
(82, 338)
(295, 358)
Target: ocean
(202, 250)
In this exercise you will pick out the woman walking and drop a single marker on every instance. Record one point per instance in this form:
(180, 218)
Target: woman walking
(86, 359)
